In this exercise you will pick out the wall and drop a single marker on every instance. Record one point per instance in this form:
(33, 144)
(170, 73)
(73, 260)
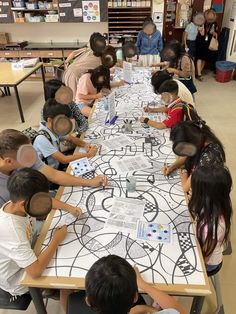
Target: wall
(57, 32)
(228, 7)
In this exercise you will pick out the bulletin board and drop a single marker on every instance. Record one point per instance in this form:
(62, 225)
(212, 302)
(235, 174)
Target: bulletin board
(72, 11)
(5, 12)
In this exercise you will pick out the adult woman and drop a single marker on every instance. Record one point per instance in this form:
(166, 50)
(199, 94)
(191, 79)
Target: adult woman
(89, 58)
(149, 43)
(205, 34)
(180, 64)
(196, 145)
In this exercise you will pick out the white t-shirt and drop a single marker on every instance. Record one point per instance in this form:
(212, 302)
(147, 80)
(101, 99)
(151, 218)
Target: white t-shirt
(16, 235)
(184, 93)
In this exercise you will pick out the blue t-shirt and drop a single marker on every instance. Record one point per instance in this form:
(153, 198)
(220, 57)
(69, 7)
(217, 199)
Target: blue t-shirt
(149, 45)
(45, 148)
(192, 31)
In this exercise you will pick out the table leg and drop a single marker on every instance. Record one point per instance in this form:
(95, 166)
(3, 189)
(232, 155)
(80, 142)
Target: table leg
(19, 104)
(197, 305)
(43, 78)
(8, 91)
(37, 298)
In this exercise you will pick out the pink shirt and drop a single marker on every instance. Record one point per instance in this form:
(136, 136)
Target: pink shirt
(217, 255)
(85, 87)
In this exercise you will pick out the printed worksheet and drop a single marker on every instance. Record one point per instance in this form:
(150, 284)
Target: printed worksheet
(153, 232)
(81, 166)
(117, 142)
(124, 214)
(130, 164)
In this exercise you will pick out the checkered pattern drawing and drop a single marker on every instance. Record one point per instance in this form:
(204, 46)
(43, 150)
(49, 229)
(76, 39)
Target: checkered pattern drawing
(185, 241)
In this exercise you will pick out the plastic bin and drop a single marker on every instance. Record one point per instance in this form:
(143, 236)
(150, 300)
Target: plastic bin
(224, 71)
(223, 77)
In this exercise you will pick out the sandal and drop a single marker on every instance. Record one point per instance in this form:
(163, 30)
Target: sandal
(199, 78)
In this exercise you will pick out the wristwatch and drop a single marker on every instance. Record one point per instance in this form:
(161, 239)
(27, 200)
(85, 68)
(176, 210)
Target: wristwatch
(146, 120)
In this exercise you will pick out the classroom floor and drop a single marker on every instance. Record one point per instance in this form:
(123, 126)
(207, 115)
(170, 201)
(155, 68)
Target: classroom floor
(215, 103)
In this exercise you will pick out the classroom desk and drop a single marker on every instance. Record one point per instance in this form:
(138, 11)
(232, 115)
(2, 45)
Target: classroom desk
(12, 78)
(176, 268)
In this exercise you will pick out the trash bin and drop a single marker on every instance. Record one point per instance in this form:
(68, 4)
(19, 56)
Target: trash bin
(224, 71)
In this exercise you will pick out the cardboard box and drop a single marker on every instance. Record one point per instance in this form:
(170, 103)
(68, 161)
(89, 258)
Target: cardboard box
(4, 38)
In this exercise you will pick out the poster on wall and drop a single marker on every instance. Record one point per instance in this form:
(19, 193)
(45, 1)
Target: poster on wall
(91, 11)
(218, 6)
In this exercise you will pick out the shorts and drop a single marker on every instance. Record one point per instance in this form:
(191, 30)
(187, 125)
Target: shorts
(192, 48)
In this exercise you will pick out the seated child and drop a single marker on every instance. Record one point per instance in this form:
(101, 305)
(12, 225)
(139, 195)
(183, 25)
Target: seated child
(161, 76)
(90, 88)
(170, 99)
(29, 196)
(111, 287)
(17, 152)
(64, 95)
(48, 147)
(195, 145)
(127, 53)
(211, 206)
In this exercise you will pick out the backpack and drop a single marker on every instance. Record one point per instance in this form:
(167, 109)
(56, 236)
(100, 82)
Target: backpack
(32, 134)
(190, 113)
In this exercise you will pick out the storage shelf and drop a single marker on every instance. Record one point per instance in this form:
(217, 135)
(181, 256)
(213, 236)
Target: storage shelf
(33, 10)
(126, 22)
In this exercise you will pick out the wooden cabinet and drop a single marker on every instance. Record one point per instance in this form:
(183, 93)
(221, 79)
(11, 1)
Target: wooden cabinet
(9, 54)
(51, 54)
(29, 54)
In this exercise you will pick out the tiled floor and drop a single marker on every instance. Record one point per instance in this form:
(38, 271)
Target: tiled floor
(215, 102)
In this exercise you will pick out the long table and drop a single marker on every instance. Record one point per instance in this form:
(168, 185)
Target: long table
(12, 78)
(177, 267)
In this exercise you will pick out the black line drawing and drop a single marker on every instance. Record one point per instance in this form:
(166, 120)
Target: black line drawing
(175, 263)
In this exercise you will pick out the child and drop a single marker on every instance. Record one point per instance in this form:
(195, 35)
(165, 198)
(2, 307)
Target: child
(49, 147)
(127, 53)
(161, 76)
(28, 190)
(64, 95)
(149, 43)
(191, 32)
(111, 287)
(211, 206)
(195, 145)
(17, 152)
(180, 64)
(90, 88)
(171, 101)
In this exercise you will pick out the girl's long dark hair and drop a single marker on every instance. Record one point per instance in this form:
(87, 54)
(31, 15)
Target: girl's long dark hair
(209, 202)
(100, 71)
(196, 133)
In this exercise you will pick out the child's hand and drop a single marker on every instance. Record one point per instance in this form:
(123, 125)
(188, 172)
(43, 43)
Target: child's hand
(75, 211)
(147, 109)
(99, 95)
(60, 234)
(99, 181)
(171, 70)
(105, 91)
(166, 171)
(121, 83)
(141, 119)
(92, 152)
